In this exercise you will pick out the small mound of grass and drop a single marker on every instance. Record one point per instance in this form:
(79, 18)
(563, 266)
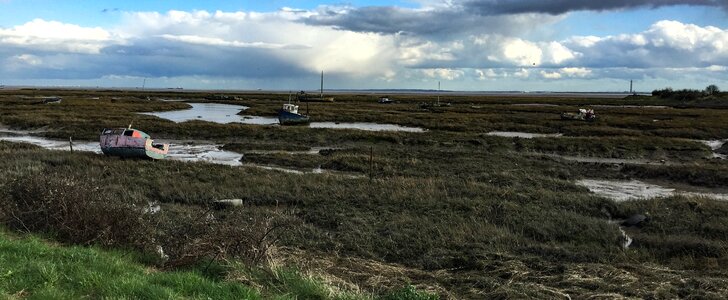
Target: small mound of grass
(31, 268)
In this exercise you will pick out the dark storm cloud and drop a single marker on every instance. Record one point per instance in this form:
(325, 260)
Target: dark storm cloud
(434, 23)
(555, 7)
(383, 19)
(462, 15)
(153, 58)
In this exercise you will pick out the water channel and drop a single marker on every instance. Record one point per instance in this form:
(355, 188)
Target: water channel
(228, 113)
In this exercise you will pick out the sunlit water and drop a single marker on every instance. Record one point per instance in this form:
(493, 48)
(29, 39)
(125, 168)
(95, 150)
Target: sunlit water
(227, 113)
(621, 190)
(214, 112)
(525, 135)
(715, 145)
(365, 126)
(605, 160)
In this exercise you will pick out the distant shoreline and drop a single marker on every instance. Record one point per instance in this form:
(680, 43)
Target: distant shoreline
(343, 91)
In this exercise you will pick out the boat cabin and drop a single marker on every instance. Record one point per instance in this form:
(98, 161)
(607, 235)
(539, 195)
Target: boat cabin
(290, 108)
(126, 132)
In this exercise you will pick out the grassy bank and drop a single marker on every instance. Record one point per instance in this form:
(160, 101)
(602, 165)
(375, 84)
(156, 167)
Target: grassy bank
(33, 268)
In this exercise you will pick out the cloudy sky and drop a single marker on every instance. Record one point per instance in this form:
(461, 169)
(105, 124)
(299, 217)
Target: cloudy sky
(481, 45)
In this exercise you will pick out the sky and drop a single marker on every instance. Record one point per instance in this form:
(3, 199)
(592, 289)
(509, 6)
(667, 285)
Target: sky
(467, 45)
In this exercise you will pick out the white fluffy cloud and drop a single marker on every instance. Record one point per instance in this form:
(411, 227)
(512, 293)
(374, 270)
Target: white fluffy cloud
(56, 36)
(28, 59)
(312, 48)
(217, 46)
(445, 74)
(668, 44)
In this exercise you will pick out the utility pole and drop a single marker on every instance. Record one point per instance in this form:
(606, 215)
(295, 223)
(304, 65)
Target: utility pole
(630, 86)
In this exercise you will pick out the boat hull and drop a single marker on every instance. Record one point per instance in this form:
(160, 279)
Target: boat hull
(288, 118)
(132, 147)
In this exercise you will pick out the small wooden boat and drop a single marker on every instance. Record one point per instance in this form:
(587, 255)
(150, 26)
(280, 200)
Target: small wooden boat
(131, 143)
(583, 115)
(385, 100)
(52, 100)
(289, 115)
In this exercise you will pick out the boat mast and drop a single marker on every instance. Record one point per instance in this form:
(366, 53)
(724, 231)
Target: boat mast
(322, 85)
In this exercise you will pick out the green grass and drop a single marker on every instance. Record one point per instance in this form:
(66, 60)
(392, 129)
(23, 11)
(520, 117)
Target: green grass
(34, 269)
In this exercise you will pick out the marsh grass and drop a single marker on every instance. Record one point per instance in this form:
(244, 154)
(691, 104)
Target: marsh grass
(492, 219)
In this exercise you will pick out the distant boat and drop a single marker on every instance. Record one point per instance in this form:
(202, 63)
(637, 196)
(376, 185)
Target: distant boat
(303, 97)
(385, 100)
(131, 143)
(289, 115)
(52, 100)
(583, 115)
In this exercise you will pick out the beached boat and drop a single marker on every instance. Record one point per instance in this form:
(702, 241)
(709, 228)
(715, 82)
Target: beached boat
(289, 115)
(131, 143)
(52, 100)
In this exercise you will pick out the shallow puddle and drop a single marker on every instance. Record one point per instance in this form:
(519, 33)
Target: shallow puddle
(365, 126)
(228, 113)
(525, 135)
(630, 106)
(603, 160)
(204, 152)
(715, 145)
(54, 144)
(312, 151)
(535, 104)
(621, 190)
(214, 112)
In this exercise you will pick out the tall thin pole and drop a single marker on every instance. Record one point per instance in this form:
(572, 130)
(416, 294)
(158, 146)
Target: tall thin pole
(438, 93)
(322, 85)
(371, 163)
(630, 86)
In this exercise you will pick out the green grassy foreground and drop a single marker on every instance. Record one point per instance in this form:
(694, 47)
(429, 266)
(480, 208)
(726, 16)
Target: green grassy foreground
(34, 268)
